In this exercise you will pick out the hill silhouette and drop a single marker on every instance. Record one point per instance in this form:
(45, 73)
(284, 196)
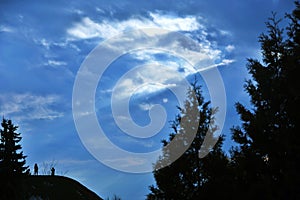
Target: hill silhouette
(57, 188)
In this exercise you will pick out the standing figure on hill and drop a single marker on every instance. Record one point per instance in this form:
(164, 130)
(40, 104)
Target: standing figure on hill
(52, 171)
(36, 169)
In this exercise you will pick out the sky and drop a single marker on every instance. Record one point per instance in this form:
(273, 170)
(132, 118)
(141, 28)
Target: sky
(92, 85)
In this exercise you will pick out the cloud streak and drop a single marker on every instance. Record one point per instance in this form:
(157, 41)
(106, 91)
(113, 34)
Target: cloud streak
(6, 29)
(28, 106)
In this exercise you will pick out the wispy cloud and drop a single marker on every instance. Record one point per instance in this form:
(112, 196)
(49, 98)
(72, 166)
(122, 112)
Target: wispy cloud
(146, 106)
(7, 29)
(230, 48)
(87, 28)
(28, 106)
(127, 162)
(175, 23)
(148, 79)
(55, 63)
(136, 142)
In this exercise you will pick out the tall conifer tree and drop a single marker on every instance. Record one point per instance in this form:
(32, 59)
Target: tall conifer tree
(191, 177)
(267, 159)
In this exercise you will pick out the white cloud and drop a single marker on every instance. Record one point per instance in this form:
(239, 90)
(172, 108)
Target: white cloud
(175, 23)
(224, 62)
(200, 54)
(81, 30)
(6, 29)
(227, 61)
(48, 44)
(161, 73)
(77, 11)
(44, 43)
(100, 10)
(29, 107)
(55, 63)
(230, 48)
(146, 106)
(225, 32)
(148, 79)
(87, 28)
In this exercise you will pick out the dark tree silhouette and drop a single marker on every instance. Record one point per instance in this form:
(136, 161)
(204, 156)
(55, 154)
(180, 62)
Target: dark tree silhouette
(190, 177)
(267, 160)
(12, 162)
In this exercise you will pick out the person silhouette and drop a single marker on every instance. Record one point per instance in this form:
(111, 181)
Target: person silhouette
(36, 169)
(52, 171)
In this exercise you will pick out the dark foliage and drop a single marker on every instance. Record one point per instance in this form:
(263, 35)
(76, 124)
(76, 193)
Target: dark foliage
(12, 162)
(190, 177)
(267, 159)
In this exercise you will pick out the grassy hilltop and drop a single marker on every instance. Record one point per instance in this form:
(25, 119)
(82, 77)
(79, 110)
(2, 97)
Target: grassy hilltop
(56, 188)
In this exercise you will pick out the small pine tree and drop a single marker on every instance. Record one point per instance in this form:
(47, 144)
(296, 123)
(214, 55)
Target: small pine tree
(12, 160)
(12, 163)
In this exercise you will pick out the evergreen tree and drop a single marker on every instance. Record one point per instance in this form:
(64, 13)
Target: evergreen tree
(266, 162)
(12, 160)
(190, 177)
(12, 163)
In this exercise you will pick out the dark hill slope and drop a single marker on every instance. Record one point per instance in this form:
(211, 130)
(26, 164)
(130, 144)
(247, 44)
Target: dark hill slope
(57, 188)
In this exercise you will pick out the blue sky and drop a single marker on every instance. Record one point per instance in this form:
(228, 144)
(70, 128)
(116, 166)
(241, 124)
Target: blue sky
(43, 45)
